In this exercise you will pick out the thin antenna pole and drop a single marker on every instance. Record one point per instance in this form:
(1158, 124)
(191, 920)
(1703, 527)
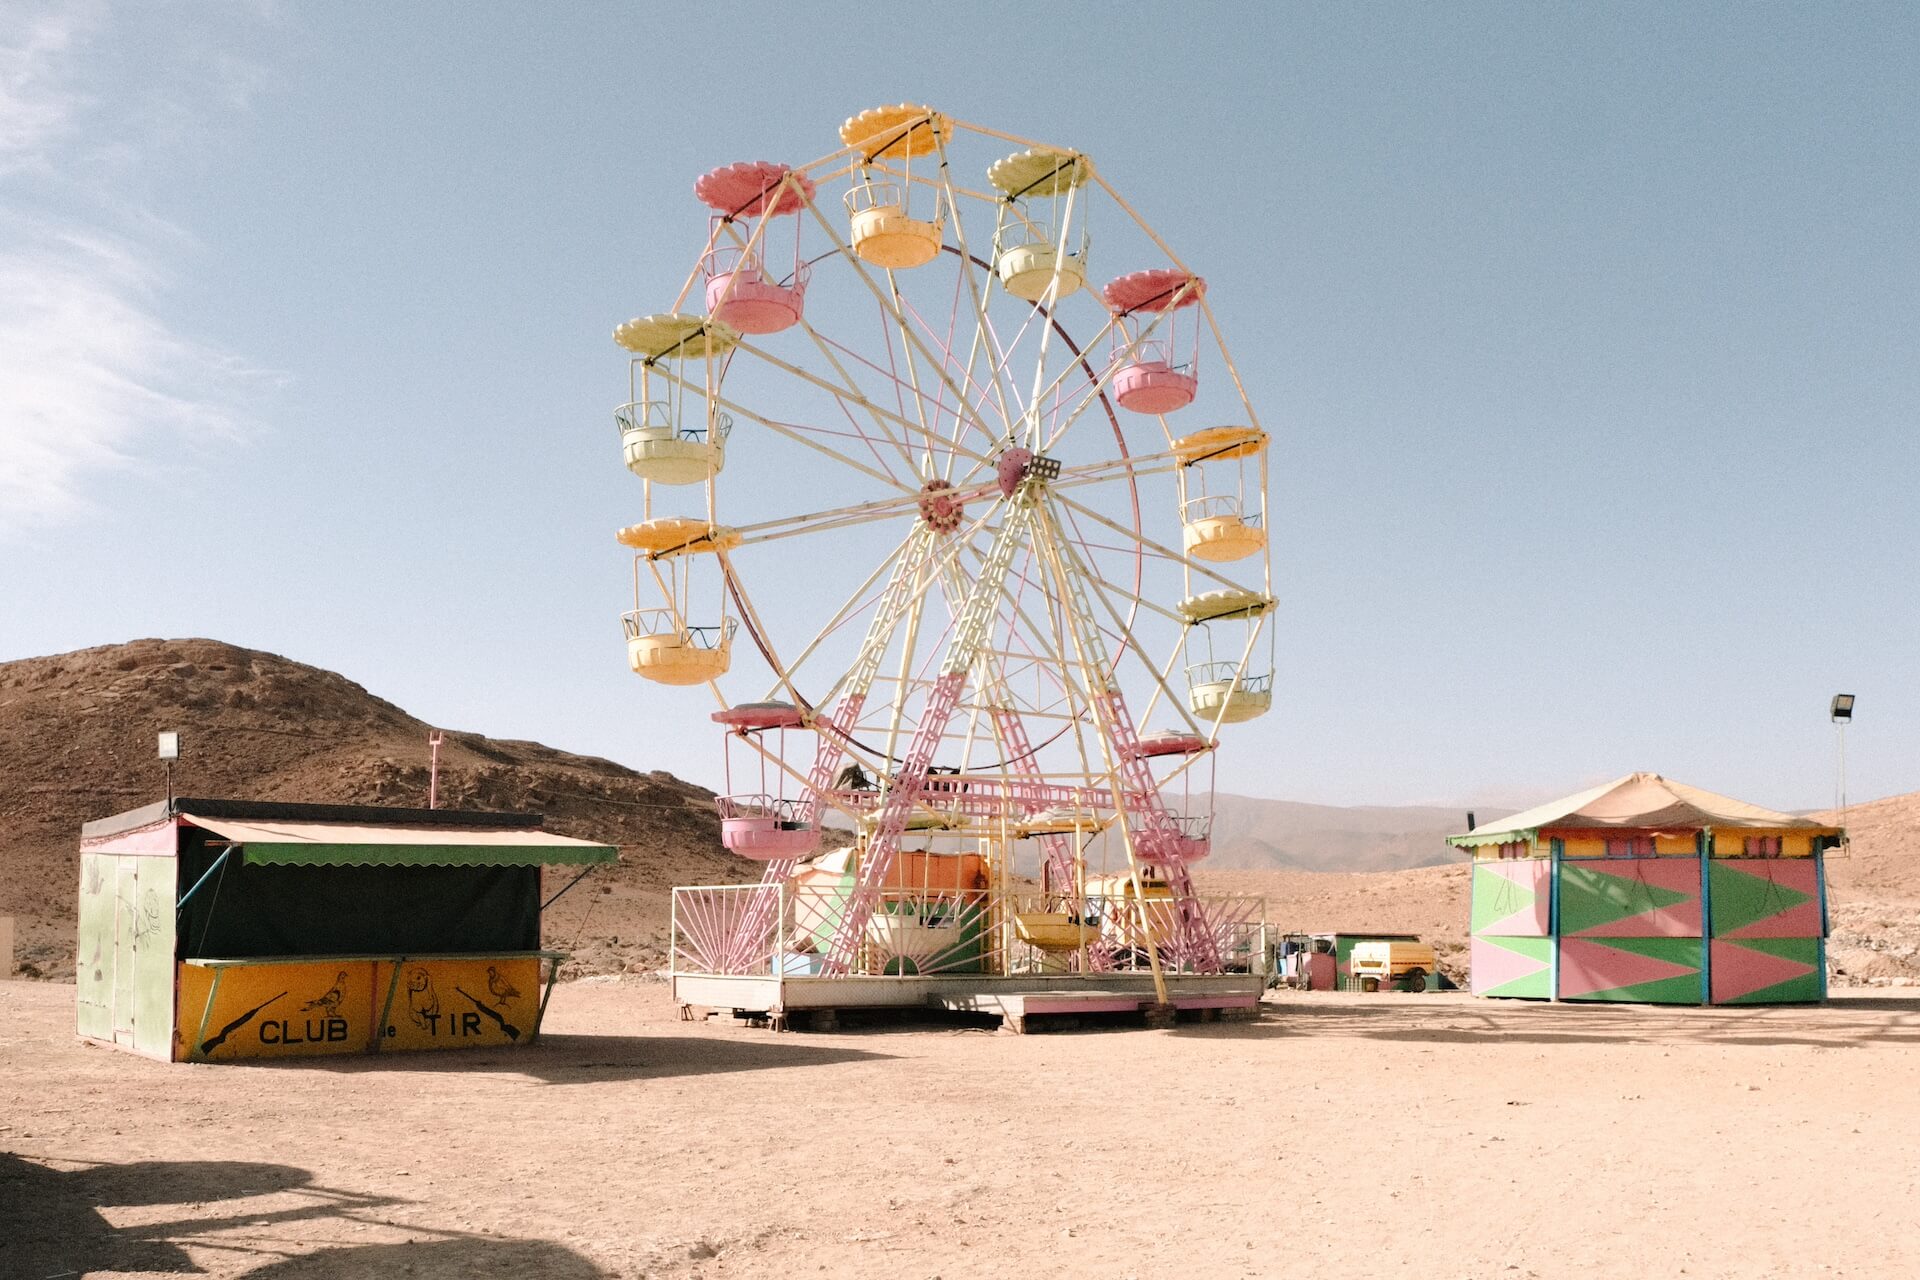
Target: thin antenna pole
(433, 768)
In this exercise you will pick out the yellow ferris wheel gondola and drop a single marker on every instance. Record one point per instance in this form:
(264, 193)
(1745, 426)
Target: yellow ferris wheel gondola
(1220, 524)
(882, 228)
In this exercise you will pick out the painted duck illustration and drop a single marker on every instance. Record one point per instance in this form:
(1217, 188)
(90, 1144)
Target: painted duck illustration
(330, 1002)
(422, 999)
(502, 990)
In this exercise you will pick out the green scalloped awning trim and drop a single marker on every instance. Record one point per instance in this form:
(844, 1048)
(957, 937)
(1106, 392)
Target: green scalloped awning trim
(305, 854)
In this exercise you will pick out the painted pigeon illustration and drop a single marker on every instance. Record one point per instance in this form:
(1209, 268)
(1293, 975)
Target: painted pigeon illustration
(502, 990)
(330, 1002)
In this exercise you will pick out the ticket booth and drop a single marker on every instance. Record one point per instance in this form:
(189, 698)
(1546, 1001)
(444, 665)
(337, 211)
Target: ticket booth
(213, 930)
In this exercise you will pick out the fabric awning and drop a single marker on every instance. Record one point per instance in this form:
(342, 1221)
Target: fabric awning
(338, 844)
(1638, 802)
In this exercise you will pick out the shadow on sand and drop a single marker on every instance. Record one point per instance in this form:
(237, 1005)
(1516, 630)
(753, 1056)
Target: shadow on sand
(1851, 1021)
(52, 1225)
(586, 1059)
(453, 1259)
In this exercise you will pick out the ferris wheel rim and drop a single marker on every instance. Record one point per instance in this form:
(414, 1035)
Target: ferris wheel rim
(969, 415)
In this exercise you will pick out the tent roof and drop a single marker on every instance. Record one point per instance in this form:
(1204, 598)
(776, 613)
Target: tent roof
(1637, 802)
(313, 844)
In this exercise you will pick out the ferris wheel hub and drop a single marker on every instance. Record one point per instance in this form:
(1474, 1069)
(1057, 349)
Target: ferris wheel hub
(940, 506)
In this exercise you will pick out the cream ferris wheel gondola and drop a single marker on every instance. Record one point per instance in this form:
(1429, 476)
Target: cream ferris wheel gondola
(1033, 254)
(999, 567)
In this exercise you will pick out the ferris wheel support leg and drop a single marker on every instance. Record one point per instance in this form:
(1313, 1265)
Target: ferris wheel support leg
(1192, 940)
(907, 787)
(1151, 824)
(1018, 749)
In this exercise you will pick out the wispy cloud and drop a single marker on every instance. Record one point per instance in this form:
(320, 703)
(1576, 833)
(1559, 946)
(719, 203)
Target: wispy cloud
(37, 103)
(93, 374)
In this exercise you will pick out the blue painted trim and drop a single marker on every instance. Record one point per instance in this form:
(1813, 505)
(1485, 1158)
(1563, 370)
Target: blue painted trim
(1555, 856)
(205, 876)
(1820, 883)
(1706, 915)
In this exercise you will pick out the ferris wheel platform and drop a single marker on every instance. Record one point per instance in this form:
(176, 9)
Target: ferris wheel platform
(1020, 1001)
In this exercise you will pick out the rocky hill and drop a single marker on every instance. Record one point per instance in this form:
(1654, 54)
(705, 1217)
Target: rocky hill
(1873, 897)
(77, 742)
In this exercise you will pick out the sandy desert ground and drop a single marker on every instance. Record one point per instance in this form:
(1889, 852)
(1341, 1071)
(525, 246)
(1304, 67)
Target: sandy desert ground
(1383, 1136)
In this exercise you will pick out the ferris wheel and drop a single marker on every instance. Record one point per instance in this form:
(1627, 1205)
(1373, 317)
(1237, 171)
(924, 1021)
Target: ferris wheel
(970, 549)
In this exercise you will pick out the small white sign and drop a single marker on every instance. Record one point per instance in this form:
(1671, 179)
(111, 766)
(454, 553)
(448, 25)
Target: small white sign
(169, 746)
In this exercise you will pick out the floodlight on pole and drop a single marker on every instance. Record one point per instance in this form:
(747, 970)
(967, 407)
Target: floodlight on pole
(169, 750)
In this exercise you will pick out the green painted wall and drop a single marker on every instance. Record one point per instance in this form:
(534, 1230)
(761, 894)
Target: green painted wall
(94, 955)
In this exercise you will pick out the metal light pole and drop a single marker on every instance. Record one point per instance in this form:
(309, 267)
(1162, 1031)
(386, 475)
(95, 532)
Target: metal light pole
(1841, 713)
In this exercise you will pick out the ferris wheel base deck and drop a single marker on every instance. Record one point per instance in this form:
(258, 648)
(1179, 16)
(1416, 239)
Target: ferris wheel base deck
(1020, 1001)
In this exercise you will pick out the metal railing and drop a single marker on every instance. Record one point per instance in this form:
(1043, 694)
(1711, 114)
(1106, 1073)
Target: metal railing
(653, 420)
(733, 260)
(717, 931)
(760, 805)
(1202, 673)
(1216, 506)
(661, 622)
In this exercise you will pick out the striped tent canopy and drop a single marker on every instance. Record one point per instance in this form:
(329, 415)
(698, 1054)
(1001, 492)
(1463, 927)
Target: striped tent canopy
(1638, 802)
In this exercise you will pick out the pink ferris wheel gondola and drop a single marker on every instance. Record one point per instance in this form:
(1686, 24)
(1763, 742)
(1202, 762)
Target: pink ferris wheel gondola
(766, 825)
(741, 290)
(1158, 373)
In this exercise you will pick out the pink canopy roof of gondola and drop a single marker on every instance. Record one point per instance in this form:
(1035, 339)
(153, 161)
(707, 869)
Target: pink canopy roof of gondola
(760, 715)
(1152, 290)
(741, 190)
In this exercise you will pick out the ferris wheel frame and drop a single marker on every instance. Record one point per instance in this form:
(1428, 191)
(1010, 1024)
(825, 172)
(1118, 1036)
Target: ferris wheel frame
(955, 470)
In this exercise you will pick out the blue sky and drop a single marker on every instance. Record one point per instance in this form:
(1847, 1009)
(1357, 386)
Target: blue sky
(1587, 335)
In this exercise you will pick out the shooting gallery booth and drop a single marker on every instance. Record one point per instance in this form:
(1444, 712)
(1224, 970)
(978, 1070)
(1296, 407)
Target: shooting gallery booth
(1648, 890)
(220, 929)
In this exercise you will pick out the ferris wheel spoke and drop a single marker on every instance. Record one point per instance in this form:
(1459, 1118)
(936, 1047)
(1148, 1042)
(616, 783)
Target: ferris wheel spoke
(847, 393)
(838, 518)
(929, 434)
(1159, 548)
(964, 372)
(1098, 382)
(911, 551)
(884, 297)
(801, 436)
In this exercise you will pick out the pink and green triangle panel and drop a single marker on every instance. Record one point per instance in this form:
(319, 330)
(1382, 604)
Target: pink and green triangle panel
(1517, 967)
(1634, 970)
(1769, 971)
(1765, 898)
(1510, 899)
(1630, 898)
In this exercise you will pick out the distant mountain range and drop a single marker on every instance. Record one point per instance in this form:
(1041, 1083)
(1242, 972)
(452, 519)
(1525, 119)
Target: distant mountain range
(1251, 834)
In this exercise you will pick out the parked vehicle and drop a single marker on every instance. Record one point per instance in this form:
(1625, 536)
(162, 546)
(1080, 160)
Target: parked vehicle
(1397, 966)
